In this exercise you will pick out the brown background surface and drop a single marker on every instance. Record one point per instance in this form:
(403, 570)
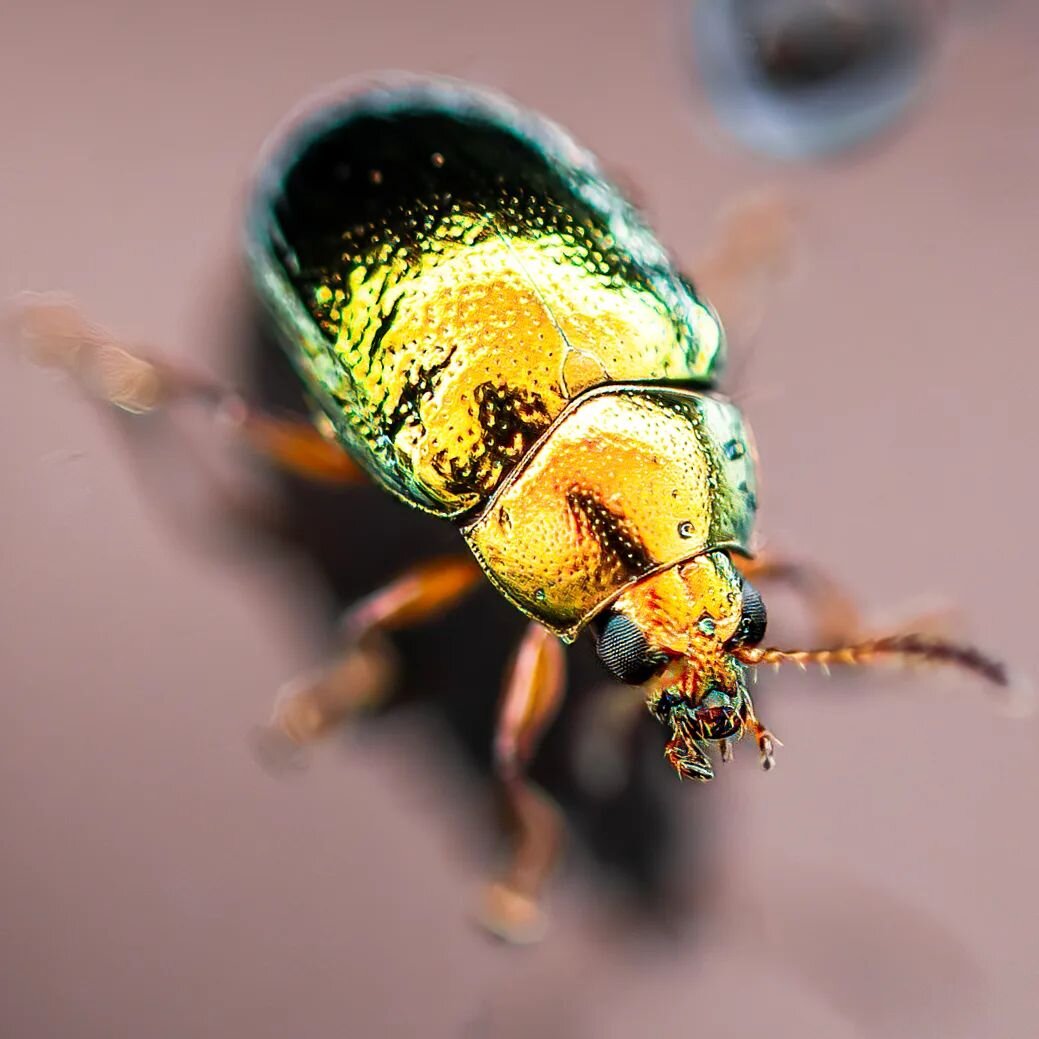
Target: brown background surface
(156, 882)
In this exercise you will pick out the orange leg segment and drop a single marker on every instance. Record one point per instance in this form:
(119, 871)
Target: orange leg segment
(420, 594)
(363, 673)
(533, 692)
(55, 335)
(298, 447)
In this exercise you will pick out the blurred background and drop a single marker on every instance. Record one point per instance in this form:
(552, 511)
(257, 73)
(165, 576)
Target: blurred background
(157, 879)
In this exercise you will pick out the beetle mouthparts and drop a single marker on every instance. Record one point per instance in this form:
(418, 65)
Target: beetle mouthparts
(685, 750)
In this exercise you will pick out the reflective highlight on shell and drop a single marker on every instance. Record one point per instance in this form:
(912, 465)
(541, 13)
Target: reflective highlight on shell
(455, 280)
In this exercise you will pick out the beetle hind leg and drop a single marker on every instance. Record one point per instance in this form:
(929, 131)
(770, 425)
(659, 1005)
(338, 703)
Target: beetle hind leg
(55, 335)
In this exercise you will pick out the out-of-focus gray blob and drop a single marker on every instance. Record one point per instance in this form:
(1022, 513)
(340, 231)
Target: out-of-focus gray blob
(799, 79)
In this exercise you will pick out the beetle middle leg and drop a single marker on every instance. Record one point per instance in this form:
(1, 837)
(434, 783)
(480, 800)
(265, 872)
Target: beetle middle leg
(533, 692)
(364, 672)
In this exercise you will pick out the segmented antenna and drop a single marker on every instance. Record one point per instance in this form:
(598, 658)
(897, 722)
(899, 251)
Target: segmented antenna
(905, 649)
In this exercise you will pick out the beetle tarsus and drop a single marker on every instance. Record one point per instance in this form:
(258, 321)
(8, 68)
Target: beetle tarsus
(364, 673)
(511, 915)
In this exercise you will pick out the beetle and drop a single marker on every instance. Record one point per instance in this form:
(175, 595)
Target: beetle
(489, 331)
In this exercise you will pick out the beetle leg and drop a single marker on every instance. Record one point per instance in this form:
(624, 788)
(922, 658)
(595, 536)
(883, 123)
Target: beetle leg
(750, 249)
(836, 617)
(363, 674)
(296, 445)
(55, 335)
(422, 593)
(838, 621)
(531, 696)
(312, 704)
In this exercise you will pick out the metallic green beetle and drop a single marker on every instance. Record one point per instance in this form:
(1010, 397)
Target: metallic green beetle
(480, 315)
(498, 339)
(491, 332)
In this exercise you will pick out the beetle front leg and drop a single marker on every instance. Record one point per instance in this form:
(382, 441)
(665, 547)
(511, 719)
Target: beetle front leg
(533, 692)
(837, 619)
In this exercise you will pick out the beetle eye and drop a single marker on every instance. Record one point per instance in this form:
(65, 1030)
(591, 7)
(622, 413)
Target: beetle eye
(753, 620)
(625, 651)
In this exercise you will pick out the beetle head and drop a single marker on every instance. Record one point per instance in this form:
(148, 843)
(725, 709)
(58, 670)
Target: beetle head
(688, 635)
(675, 632)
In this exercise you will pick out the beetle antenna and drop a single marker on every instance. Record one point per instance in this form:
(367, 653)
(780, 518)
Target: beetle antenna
(904, 649)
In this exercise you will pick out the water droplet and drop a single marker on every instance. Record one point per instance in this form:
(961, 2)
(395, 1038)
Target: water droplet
(540, 595)
(735, 449)
(706, 626)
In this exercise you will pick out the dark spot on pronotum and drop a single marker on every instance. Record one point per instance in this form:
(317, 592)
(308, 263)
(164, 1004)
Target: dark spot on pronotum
(619, 543)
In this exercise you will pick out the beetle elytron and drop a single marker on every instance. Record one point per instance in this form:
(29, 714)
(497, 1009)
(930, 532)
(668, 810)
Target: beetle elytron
(489, 331)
